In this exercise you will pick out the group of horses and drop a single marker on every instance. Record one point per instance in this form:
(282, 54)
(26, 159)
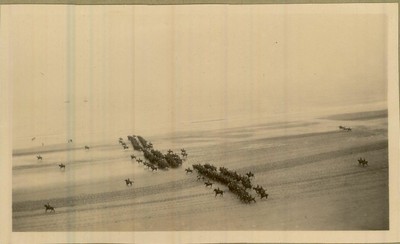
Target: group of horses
(62, 166)
(147, 164)
(233, 186)
(183, 152)
(237, 183)
(154, 167)
(261, 192)
(123, 144)
(362, 162)
(207, 183)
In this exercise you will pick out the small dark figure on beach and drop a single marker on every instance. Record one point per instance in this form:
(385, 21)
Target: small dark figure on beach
(87, 147)
(148, 165)
(218, 191)
(128, 182)
(259, 189)
(208, 183)
(363, 162)
(263, 194)
(48, 207)
(153, 167)
(133, 156)
(39, 157)
(188, 170)
(62, 166)
(250, 174)
(344, 128)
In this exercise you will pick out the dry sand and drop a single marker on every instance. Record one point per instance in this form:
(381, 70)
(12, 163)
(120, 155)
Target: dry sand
(309, 168)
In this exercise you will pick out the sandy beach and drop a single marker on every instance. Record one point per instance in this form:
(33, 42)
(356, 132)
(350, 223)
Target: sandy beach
(309, 168)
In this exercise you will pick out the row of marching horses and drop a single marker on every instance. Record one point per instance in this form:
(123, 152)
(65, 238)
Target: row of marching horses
(207, 183)
(231, 179)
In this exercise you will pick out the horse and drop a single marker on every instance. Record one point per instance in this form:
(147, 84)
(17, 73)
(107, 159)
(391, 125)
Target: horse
(62, 166)
(250, 174)
(48, 207)
(208, 184)
(200, 177)
(344, 128)
(263, 194)
(218, 191)
(247, 198)
(87, 147)
(188, 170)
(133, 156)
(128, 182)
(39, 157)
(139, 161)
(170, 151)
(363, 162)
(184, 154)
(251, 199)
(259, 189)
(153, 167)
(126, 147)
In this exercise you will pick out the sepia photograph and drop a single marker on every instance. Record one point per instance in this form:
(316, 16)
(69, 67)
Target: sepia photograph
(199, 118)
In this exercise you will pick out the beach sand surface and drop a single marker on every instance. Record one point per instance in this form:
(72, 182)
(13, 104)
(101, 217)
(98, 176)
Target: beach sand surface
(309, 168)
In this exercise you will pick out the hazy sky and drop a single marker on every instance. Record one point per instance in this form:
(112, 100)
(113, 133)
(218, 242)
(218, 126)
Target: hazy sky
(159, 66)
